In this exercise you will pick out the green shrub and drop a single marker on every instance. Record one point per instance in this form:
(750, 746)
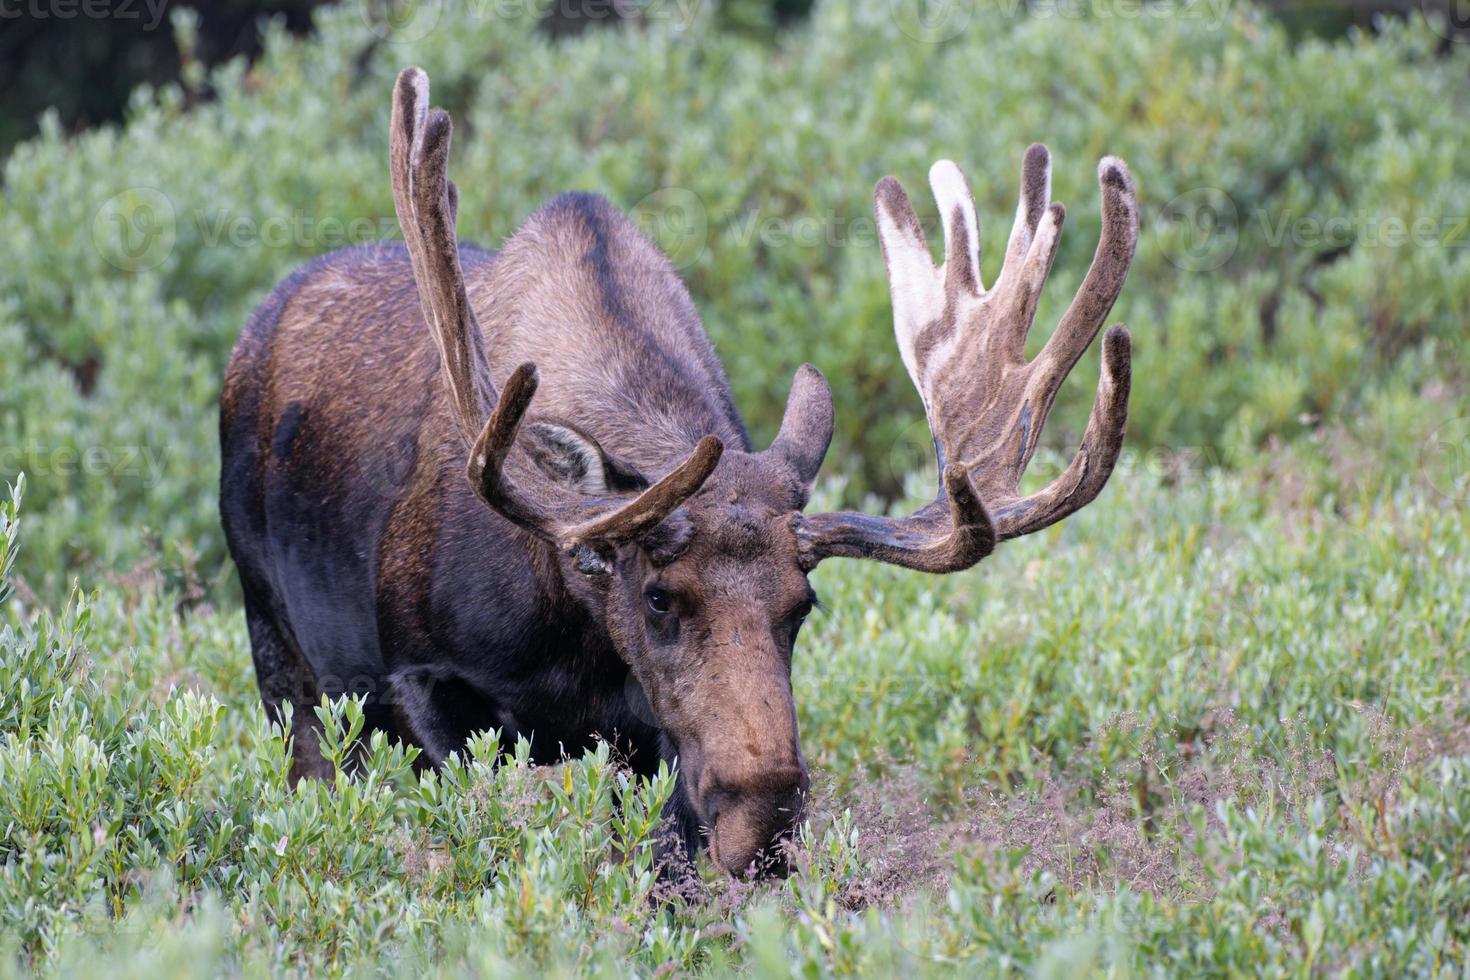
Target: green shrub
(1205, 726)
(132, 255)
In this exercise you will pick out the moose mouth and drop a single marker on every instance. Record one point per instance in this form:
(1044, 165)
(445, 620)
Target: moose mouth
(751, 835)
(772, 861)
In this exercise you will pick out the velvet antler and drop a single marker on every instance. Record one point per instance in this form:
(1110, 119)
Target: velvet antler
(986, 404)
(427, 203)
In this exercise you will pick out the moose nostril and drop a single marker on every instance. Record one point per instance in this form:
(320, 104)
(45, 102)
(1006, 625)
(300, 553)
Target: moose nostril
(713, 804)
(781, 790)
(751, 819)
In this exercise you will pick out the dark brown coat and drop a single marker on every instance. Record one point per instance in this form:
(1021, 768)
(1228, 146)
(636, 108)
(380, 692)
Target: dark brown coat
(511, 490)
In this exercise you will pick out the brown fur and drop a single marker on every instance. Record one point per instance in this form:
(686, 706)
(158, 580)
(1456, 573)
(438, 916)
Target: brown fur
(616, 531)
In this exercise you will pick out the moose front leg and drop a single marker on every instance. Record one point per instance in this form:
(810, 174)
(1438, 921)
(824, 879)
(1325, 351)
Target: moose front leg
(439, 711)
(285, 678)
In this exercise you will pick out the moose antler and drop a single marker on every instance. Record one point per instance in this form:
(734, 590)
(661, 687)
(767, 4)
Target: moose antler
(427, 204)
(589, 527)
(963, 347)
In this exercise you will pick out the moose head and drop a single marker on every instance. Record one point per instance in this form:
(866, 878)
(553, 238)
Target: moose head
(697, 565)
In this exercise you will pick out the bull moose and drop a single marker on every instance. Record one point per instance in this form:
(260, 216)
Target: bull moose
(506, 489)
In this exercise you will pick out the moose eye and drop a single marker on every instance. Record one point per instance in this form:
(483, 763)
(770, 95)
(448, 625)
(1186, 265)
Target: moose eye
(658, 600)
(805, 609)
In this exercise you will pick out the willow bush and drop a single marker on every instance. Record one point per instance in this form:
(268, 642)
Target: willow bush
(1303, 262)
(1303, 256)
(1206, 727)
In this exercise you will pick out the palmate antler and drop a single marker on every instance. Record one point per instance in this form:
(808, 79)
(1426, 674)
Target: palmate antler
(427, 203)
(963, 346)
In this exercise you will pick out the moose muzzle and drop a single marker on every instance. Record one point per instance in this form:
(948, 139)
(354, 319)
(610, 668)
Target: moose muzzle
(750, 781)
(751, 822)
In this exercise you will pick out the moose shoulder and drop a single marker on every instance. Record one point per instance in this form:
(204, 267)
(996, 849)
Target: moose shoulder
(511, 490)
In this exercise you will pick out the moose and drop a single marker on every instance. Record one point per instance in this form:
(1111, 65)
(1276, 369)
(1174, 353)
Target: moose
(511, 490)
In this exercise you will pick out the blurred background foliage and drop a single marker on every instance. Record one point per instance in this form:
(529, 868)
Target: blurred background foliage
(1302, 271)
(84, 65)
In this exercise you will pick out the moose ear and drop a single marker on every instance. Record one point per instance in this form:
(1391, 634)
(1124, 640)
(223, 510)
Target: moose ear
(571, 457)
(806, 427)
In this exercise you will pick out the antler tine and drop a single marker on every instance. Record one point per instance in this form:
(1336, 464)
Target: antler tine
(588, 529)
(1035, 237)
(911, 273)
(961, 229)
(410, 109)
(964, 347)
(949, 535)
(1034, 197)
(1105, 277)
(487, 457)
(427, 203)
(654, 504)
(1102, 442)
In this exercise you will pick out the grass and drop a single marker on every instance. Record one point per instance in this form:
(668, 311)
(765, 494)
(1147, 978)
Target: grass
(1211, 724)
